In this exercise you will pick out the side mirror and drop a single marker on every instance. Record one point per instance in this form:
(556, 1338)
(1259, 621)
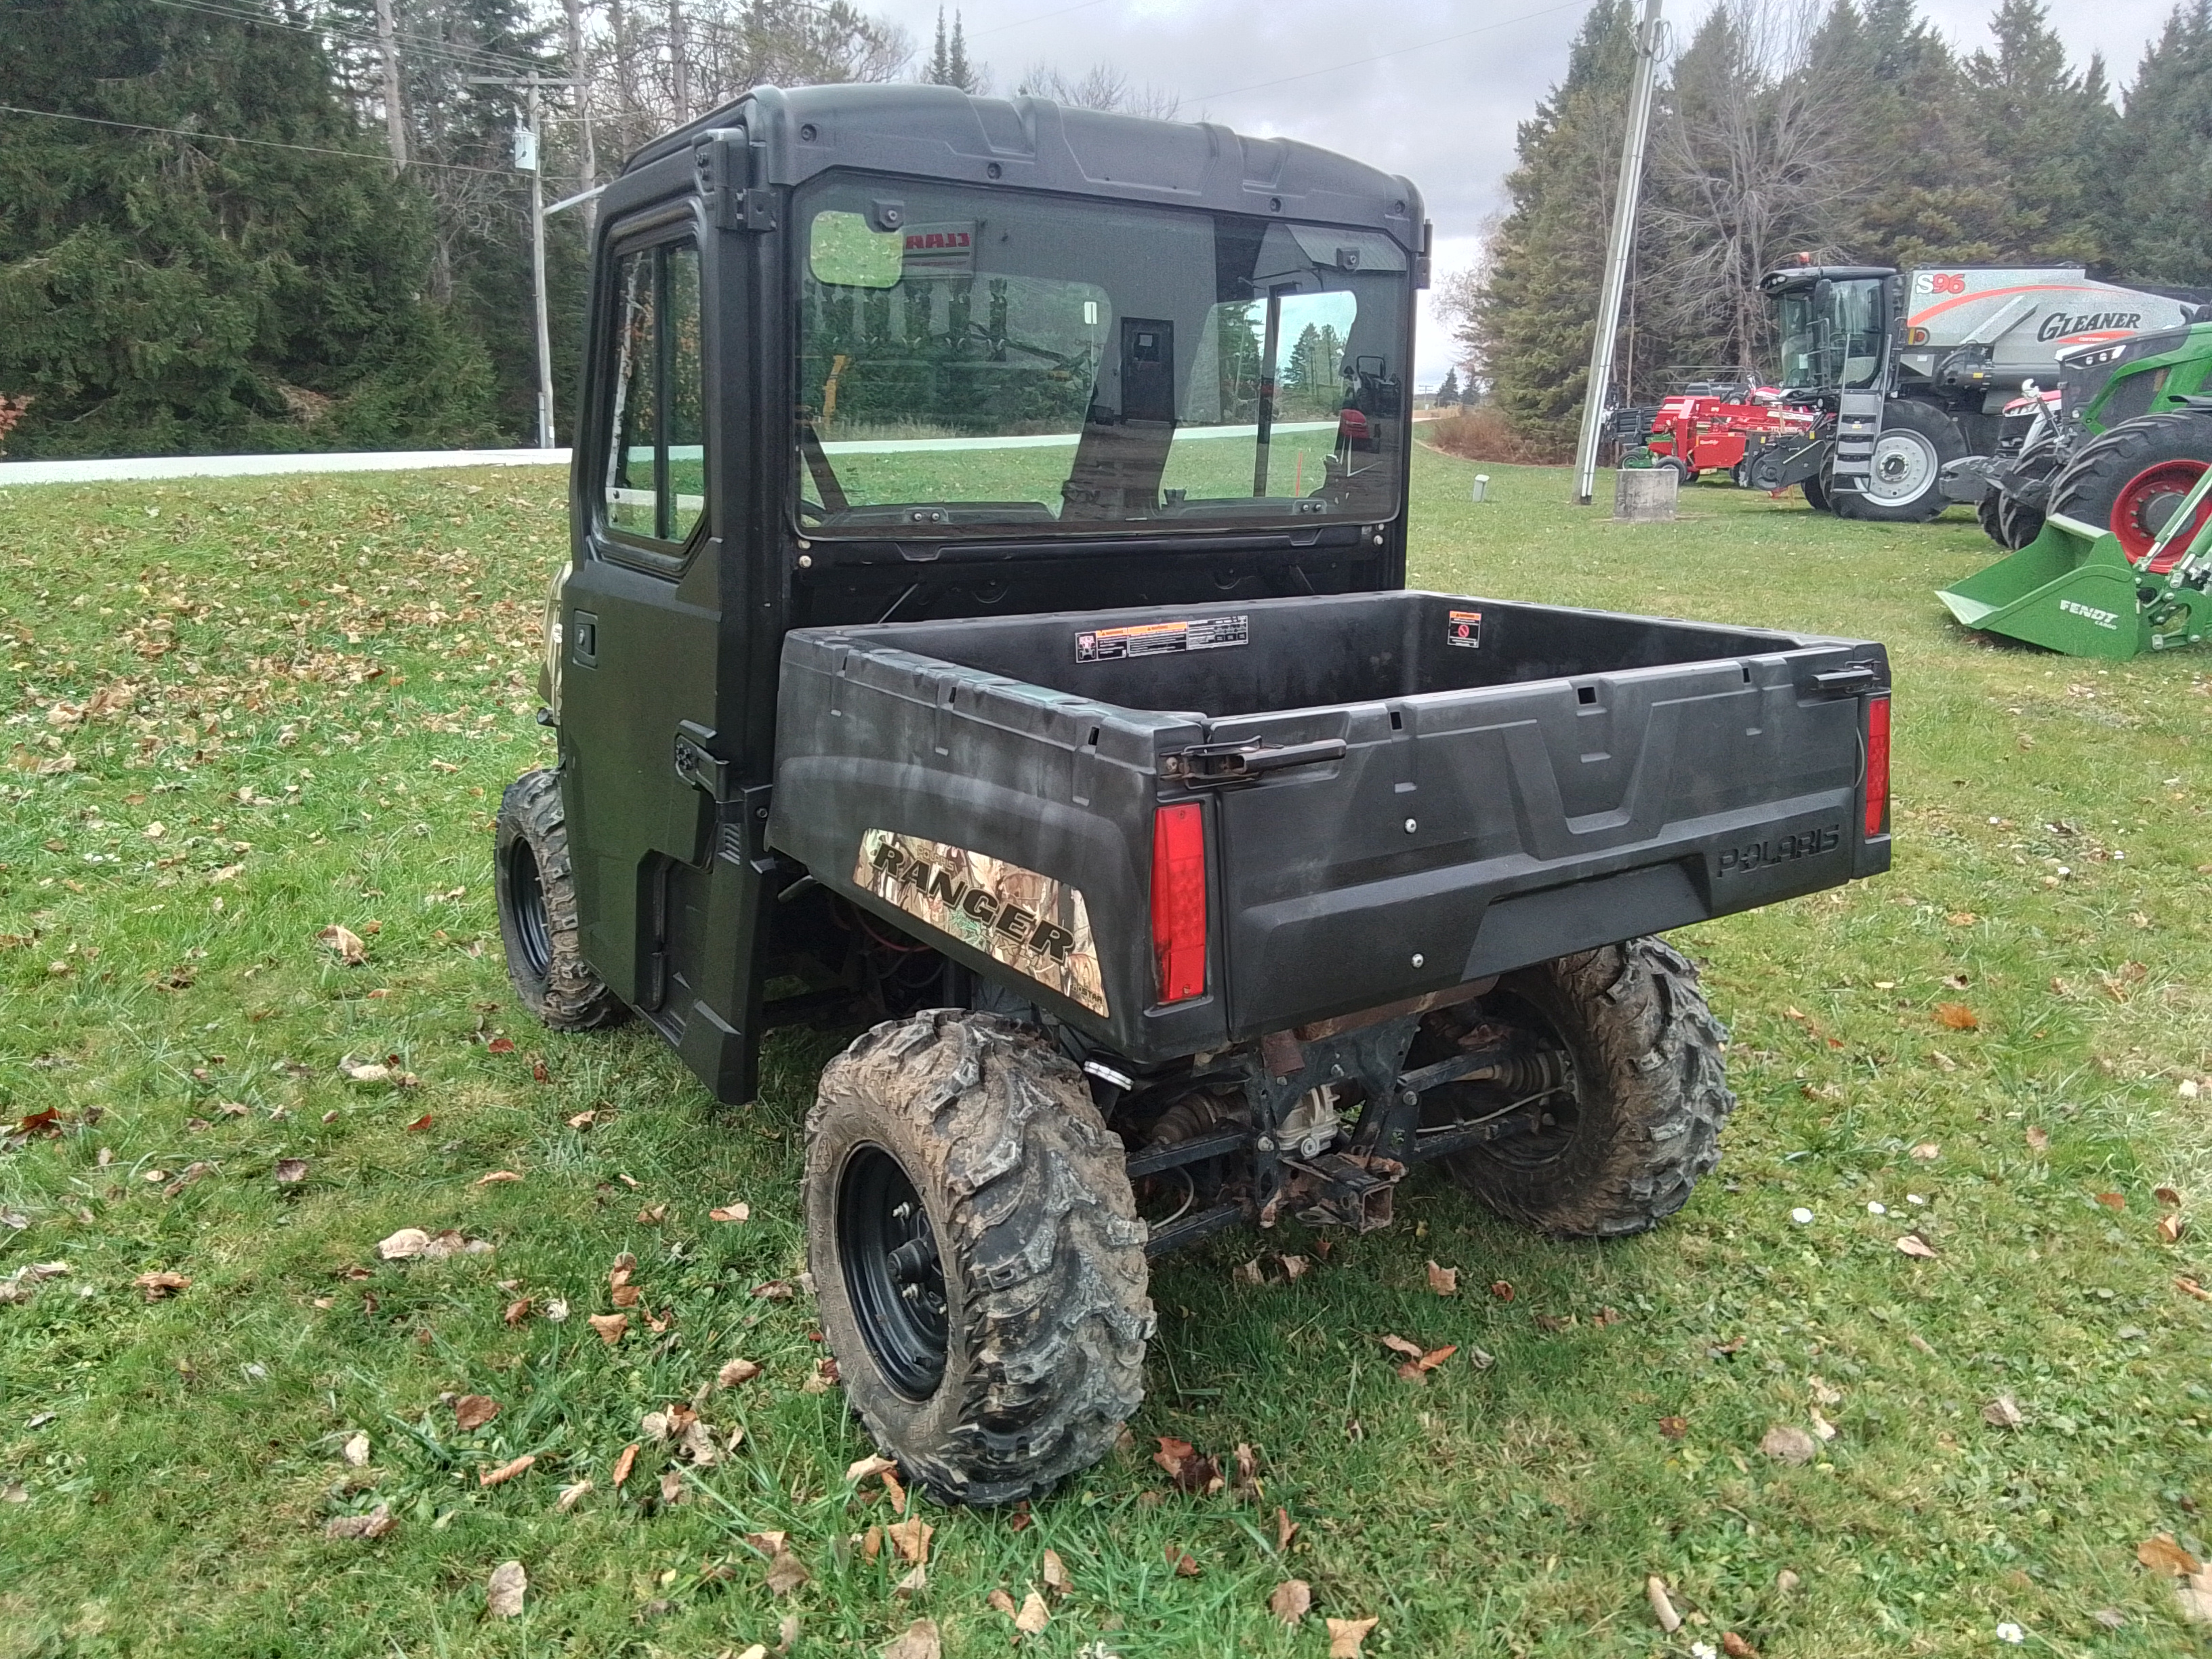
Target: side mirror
(844, 252)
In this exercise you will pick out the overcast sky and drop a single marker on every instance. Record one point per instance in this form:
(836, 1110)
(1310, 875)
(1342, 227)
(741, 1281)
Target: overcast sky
(1444, 85)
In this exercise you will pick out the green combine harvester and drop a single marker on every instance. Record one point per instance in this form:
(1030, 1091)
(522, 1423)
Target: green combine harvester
(2080, 588)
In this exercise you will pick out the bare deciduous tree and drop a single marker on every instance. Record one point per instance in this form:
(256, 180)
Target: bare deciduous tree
(1101, 86)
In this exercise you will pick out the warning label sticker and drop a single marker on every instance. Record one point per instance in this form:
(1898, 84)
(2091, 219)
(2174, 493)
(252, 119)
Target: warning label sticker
(1152, 638)
(1463, 628)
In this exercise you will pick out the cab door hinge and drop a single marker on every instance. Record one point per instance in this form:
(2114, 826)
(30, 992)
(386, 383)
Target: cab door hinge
(697, 764)
(750, 210)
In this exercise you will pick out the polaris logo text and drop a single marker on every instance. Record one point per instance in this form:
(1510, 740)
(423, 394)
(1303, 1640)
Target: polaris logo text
(1026, 929)
(2102, 618)
(1735, 860)
(2058, 324)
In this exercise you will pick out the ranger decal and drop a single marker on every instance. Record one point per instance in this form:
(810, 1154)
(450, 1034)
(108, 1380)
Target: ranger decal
(1038, 927)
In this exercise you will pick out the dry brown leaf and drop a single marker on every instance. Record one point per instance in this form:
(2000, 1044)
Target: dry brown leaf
(1736, 1648)
(822, 1378)
(1285, 1528)
(913, 1584)
(1246, 1482)
(1294, 1267)
(517, 1311)
(2038, 1140)
(1186, 1564)
(1926, 1152)
(1344, 1636)
(776, 1290)
(1502, 1290)
(2168, 1196)
(571, 1495)
(2003, 1413)
(2170, 1227)
(625, 1462)
(1444, 1282)
(2188, 1287)
(918, 1641)
(507, 1472)
(1913, 1244)
(407, 1241)
(1055, 1574)
(1787, 1443)
(736, 1371)
(732, 1212)
(671, 1485)
(473, 1411)
(1002, 1603)
(1674, 1428)
(911, 1538)
(2195, 1595)
(157, 1285)
(290, 1171)
(868, 1467)
(503, 1592)
(653, 1214)
(1034, 1615)
(497, 1177)
(610, 1326)
(2112, 1201)
(897, 1492)
(625, 1295)
(356, 1450)
(377, 1523)
(1957, 1016)
(2160, 1554)
(346, 943)
(1399, 1345)
(1291, 1601)
(1662, 1607)
(786, 1573)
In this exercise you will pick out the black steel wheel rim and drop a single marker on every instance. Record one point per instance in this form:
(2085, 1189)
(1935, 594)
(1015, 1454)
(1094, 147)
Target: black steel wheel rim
(893, 1276)
(526, 897)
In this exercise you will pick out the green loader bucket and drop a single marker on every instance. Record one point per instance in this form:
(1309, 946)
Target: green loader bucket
(2071, 589)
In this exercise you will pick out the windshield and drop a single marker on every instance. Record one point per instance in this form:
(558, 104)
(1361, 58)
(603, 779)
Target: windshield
(1832, 335)
(998, 361)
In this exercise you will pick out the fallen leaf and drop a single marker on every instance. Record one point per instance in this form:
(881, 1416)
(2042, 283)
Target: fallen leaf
(732, 1212)
(473, 1411)
(913, 1584)
(911, 1538)
(1034, 1615)
(1501, 1289)
(736, 1371)
(1247, 1273)
(356, 1450)
(1961, 918)
(1444, 1282)
(786, 1573)
(1926, 1152)
(776, 1290)
(2003, 1413)
(157, 1285)
(1913, 1244)
(1674, 1428)
(583, 1120)
(822, 1378)
(557, 1308)
(2166, 1196)
(918, 1641)
(346, 943)
(517, 1311)
(1291, 1601)
(2038, 1140)
(507, 1472)
(671, 1485)
(626, 1296)
(1186, 1564)
(1285, 1528)
(1787, 1443)
(610, 1326)
(2110, 1618)
(1736, 1648)
(2112, 1201)
(868, 1467)
(290, 1171)
(1418, 1370)
(2188, 1287)
(1294, 1267)
(1344, 1636)
(1055, 1574)
(1821, 1426)
(571, 1495)
(2160, 1554)
(1246, 1485)
(625, 1463)
(1399, 1345)
(2170, 1228)
(1002, 1603)
(419, 1124)
(2195, 1593)
(495, 1178)
(653, 1215)
(503, 1591)
(1662, 1607)
(377, 1523)
(1956, 1016)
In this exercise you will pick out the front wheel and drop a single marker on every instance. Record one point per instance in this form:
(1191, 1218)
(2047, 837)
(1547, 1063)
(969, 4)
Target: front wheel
(1637, 1124)
(2133, 479)
(976, 1255)
(1904, 480)
(539, 920)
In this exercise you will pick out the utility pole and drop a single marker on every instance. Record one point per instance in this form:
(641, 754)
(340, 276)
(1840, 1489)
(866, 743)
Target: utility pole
(395, 116)
(588, 165)
(679, 61)
(1617, 251)
(530, 156)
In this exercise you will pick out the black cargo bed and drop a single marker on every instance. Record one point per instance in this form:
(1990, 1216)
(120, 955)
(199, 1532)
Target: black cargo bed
(1514, 781)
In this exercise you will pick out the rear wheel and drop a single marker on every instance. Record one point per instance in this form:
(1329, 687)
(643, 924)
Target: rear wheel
(2131, 480)
(2020, 522)
(540, 922)
(1903, 484)
(1638, 1125)
(1816, 491)
(977, 1260)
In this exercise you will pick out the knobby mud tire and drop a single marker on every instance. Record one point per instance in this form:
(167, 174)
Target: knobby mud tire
(1027, 1193)
(1650, 1095)
(541, 929)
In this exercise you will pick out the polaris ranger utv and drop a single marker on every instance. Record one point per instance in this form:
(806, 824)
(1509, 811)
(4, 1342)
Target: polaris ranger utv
(986, 615)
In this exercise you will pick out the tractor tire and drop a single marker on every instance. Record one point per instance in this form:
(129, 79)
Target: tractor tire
(1816, 492)
(2018, 523)
(1683, 476)
(540, 922)
(2130, 480)
(1649, 1094)
(977, 1260)
(1987, 514)
(1903, 482)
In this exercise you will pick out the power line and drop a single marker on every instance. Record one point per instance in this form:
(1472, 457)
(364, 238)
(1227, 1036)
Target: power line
(376, 156)
(421, 45)
(1395, 51)
(1043, 16)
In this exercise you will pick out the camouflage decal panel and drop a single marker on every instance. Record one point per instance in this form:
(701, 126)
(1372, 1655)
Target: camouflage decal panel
(1038, 927)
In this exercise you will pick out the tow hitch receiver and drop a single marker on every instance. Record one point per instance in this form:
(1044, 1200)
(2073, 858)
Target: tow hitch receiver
(1343, 1189)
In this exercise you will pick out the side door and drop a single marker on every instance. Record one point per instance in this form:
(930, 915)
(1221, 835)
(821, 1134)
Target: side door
(642, 601)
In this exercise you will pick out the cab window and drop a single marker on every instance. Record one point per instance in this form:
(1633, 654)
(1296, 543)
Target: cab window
(656, 477)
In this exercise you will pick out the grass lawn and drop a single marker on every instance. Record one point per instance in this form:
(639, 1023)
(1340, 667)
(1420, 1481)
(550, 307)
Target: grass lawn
(239, 711)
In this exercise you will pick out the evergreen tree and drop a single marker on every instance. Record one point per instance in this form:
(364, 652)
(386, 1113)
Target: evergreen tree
(162, 293)
(2161, 173)
(948, 58)
(2050, 133)
(1447, 393)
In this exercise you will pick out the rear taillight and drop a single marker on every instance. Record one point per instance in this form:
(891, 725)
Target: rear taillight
(1877, 767)
(1179, 901)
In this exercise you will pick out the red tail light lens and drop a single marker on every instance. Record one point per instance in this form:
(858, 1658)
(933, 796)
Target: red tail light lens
(1179, 901)
(1877, 768)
